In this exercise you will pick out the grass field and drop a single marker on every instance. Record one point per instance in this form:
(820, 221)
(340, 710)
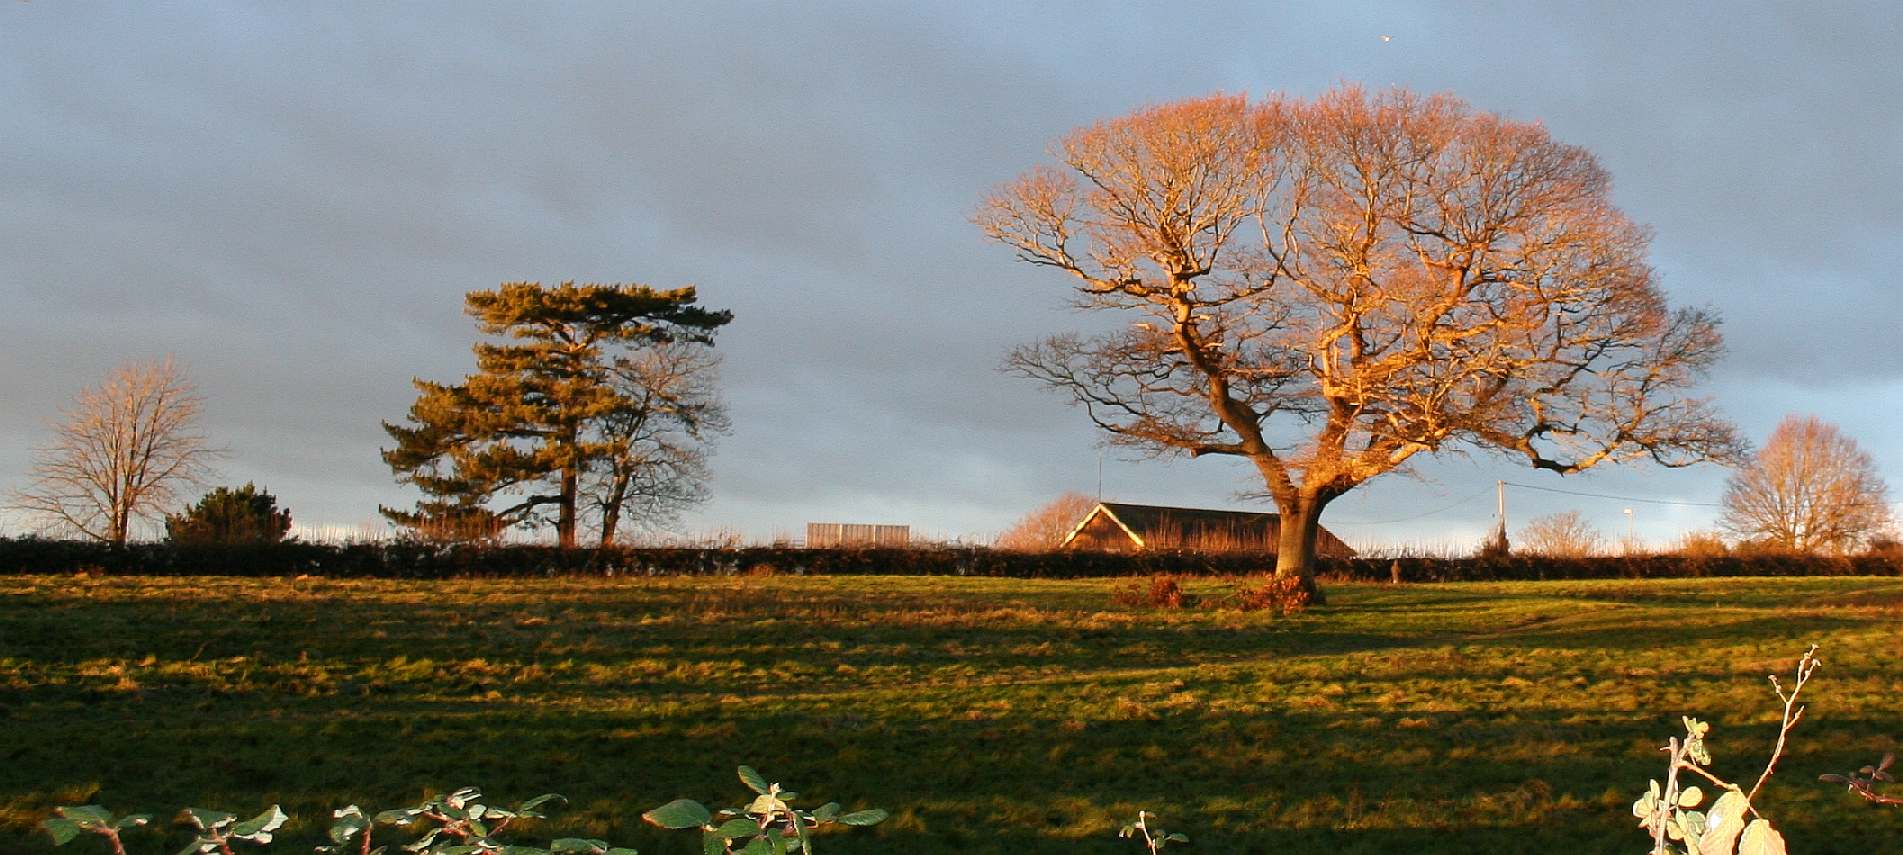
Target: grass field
(988, 715)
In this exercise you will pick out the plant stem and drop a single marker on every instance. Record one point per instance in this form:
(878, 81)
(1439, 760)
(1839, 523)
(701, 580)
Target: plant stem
(1668, 802)
(1805, 666)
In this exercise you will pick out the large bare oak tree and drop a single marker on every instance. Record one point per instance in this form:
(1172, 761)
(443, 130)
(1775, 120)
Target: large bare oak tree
(1329, 289)
(120, 454)
(1809, 489)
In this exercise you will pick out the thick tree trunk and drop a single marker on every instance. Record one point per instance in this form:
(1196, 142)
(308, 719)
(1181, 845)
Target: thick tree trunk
(565, 521)
(1295, 542)
(611, 510)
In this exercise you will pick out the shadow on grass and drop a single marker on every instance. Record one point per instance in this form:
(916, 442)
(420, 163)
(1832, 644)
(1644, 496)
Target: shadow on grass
(1404, 781)
(1436, 719)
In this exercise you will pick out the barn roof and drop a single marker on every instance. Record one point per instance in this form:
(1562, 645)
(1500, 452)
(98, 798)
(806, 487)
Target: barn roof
(1144, 523)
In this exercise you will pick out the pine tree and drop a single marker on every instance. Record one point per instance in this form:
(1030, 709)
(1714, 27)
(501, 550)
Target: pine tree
(539, 416)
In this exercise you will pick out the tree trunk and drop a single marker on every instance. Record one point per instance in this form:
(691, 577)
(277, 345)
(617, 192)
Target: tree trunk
(1300, 529)
(565, 521)
(611, 510)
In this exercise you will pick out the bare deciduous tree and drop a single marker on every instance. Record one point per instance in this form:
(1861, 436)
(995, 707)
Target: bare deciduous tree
(120, 454)
(654, 445)
(1809, 489)
(1047, 526)
(1328, 289)
(1566, 535)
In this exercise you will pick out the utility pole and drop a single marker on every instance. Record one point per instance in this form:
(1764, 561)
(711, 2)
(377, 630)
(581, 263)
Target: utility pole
(1100, 474)
(1501, 488)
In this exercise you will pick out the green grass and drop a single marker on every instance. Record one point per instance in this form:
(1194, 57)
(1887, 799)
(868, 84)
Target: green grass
(988, 715)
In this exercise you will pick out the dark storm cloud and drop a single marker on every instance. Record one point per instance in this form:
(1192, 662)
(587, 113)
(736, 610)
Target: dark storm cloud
(293, 199)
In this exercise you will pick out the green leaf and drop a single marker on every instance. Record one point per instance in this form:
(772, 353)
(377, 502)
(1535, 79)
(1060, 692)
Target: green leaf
(620, 850)
(208, 819)
(258, 828)
(679, 813)
(827, 812)
(737, 828)
(462, 797)
(766, 804)
(578, 846)
(757, 846)
(88, 817)
(864, 817)
(63, 830)
(805, 841)
(350, 820)
(1723, 823)
(1692, 824)
(529, 807)
(132, 821)
(1761, 839)
(400, 816)
(753, 780)
(1690, 796)
(1177, 837)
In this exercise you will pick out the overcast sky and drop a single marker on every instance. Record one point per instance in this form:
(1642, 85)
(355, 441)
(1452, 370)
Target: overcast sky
(293, 198)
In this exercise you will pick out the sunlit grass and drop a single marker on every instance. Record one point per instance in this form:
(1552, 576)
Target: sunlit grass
(988, 715)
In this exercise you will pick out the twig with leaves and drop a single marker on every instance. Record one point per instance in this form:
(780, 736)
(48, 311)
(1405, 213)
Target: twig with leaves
(1668, 812)
(768, 825)
(1155, 838)
(70, 822)
(1864, 782)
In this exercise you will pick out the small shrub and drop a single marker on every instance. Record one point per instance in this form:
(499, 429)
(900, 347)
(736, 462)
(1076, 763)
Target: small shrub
(1280, 594)
(1158, 592)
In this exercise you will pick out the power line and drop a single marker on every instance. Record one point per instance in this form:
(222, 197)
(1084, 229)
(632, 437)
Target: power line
(1620, 498)
(1441, 510)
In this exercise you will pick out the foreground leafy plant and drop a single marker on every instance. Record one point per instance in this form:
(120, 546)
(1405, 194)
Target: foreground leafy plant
(1155, 839)
(217, 830)
(1668, 811)
(71, 822)
(768, 825)
(459, 823)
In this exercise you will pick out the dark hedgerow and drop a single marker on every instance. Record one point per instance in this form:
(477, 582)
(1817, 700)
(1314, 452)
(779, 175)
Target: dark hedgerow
(419, 560)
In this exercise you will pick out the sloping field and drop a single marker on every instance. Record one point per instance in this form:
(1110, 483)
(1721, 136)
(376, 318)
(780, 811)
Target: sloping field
(988, 715)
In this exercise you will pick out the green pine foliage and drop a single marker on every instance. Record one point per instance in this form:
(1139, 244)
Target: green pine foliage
(590, 399)
(230, 515)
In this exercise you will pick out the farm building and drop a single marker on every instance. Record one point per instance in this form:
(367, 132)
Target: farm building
(1121, 527)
